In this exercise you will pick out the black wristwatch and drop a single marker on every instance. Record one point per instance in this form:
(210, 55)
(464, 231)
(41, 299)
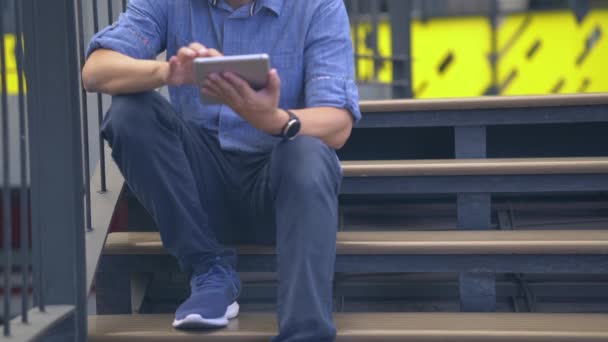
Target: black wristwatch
(292, 128)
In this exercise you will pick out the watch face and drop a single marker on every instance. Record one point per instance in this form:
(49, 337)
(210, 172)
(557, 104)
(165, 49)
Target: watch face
(293, 129)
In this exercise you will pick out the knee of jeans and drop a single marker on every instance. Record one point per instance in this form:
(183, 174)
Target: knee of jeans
(305, 163)
(128, 114)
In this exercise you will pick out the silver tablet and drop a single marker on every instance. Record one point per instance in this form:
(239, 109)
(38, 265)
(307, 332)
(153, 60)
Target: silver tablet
(252, 68)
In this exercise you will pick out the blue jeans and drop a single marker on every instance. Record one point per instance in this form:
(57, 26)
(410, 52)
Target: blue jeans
(201, 196)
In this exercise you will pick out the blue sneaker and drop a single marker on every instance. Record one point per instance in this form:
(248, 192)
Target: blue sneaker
(212, 301)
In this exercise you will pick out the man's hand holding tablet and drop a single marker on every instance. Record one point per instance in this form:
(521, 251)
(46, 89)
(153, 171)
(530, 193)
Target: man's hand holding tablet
(244, 83)
(181, 66)
(250, 89)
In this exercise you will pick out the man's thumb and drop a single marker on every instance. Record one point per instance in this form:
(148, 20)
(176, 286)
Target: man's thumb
(274, 82)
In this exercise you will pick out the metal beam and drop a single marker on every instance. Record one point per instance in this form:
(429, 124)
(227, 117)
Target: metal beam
(502, 263)
(400, 12)
(485, 117)
(474, 211)
(406, 289)
(474, 184)
(113, 293)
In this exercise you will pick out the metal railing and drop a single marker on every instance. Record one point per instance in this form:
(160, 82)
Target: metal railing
(51, 151)
(14, 8)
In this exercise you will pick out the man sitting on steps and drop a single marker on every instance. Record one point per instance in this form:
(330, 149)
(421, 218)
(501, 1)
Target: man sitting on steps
(235, 173)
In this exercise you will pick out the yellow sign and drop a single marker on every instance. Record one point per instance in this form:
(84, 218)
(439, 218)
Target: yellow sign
(12, 81)
(539, 53)
(555, 54)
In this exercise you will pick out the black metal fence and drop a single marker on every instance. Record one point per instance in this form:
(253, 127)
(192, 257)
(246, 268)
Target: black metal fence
(43, 247)
(12, 10)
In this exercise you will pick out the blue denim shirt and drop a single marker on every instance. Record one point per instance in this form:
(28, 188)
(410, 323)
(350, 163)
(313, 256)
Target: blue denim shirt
(308, 41)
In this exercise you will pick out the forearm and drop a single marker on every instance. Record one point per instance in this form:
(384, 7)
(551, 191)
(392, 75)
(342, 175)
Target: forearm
(113, 73)
(332, 125)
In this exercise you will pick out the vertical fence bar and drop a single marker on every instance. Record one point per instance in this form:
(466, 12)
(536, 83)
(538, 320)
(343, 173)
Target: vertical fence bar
(29, 8)
(6, 186)
(424, 10)
(85, 123)
(24, 196)
(124, 5)
(110, 12)
(374, 12)
(494, 12)
(74, 86)
(102, 157)
(400, 14)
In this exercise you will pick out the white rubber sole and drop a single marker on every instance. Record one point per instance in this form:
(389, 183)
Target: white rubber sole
(195, 321)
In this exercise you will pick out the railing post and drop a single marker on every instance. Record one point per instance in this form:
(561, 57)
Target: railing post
(494, 57)
(5, 185)
(478, 287)
(56, 154)
(400, 12)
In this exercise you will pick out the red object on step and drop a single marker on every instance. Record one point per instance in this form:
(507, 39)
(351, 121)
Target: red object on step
(15, 291)
(15, 221)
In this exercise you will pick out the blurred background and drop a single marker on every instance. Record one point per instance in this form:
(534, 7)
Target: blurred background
(461, 48)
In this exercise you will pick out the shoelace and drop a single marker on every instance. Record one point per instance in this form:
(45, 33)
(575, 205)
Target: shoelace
(216, 277)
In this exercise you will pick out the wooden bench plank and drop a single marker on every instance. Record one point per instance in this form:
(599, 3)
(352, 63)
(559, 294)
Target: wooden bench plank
(488, 102)
(473, 167)
(526, 242)
(457, 327)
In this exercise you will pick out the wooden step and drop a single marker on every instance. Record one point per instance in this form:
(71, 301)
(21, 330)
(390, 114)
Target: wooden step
(485, 111)
(475, 167)
(360, 327)
(524, 242)
(486, 102)
(529, 175)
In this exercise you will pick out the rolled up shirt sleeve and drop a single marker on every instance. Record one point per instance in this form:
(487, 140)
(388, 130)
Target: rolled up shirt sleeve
(140, 32)
(329, 60)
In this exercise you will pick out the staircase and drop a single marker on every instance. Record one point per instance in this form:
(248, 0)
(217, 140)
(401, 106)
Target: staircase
(476, 252)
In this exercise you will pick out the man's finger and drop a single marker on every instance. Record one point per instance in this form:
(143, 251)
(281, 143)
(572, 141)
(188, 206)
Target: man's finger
(242, 87)
(214, 87)
(225, 88)
(210, 92)
(185, 54)
(199, 48)
(173, 63)
(211, 86)
(274, 81)
(212, 53)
